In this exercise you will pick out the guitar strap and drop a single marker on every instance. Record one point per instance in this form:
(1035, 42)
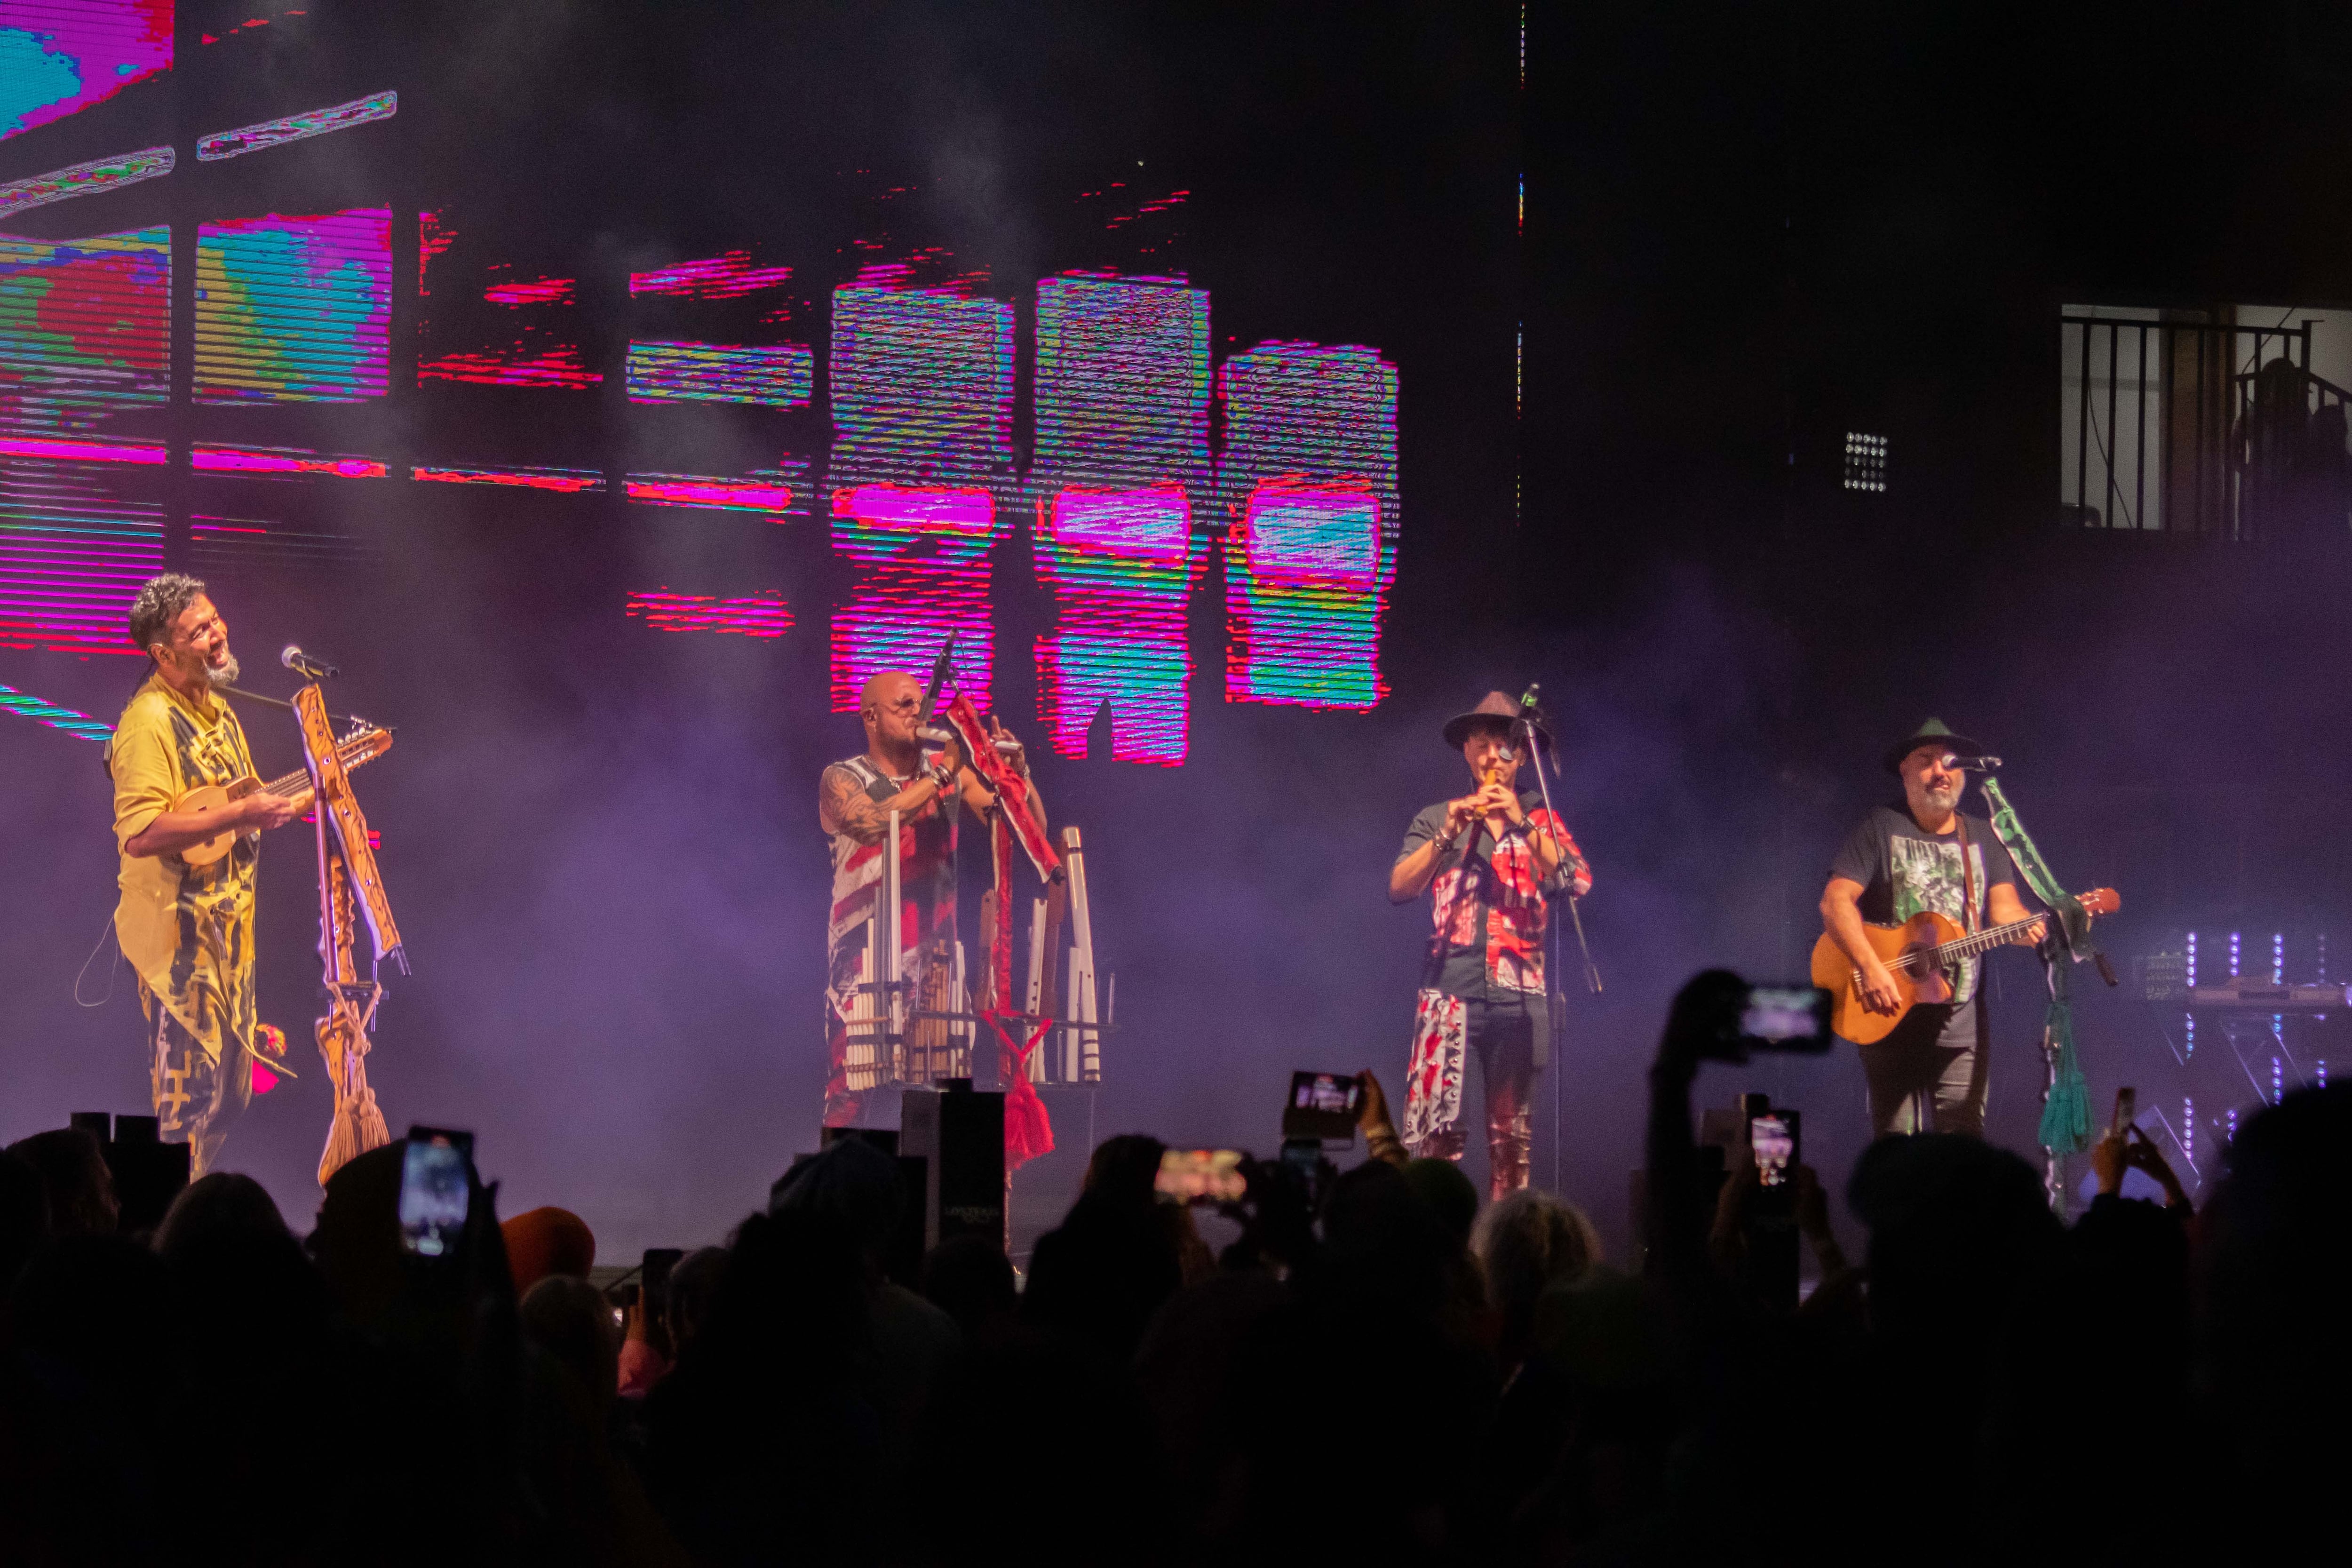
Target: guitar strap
(1967, 875)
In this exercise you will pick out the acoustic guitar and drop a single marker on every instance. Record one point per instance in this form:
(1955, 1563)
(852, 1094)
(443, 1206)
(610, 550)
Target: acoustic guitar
(363, 744)
(1915, 953)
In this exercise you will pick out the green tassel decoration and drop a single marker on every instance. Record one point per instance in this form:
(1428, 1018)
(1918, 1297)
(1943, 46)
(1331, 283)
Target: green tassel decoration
(2066, 1114)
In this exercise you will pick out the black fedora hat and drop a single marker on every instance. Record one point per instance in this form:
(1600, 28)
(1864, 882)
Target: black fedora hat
(1931, 732)
(1495, 705)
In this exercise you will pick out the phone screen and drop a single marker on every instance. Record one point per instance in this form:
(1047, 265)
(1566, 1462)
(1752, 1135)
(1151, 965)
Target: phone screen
(435, 1189)
(1773, 1136)
(1322, 1105)
(1200, 1176)
(2127, 1110)
(1786, 1018)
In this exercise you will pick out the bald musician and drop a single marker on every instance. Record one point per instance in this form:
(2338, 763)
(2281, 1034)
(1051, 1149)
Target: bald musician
(855, 800)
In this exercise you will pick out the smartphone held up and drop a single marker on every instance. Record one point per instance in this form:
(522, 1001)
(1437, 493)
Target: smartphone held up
(435, 1190)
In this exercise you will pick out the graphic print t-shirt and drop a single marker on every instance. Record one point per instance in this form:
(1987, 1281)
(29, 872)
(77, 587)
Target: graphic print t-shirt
(1903, 870)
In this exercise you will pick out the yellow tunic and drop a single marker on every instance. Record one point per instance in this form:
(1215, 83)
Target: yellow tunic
(186, 930)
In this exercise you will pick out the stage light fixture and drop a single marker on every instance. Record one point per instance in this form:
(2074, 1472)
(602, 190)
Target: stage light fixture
(1865, 462)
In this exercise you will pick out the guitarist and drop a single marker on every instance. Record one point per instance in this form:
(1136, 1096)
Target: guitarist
(188, 930)
(1929, 1074)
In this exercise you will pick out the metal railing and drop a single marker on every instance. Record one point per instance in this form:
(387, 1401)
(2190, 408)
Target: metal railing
(2202, 428)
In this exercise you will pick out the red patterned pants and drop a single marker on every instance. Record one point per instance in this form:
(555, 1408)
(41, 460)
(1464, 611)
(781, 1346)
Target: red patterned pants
(1502, 1036)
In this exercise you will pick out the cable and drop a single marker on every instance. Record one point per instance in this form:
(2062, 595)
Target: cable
(104, 938)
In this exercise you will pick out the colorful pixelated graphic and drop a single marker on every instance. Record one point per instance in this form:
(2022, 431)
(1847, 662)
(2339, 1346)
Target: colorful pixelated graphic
(1123, 496)
(1309, 476)
(294, 309)
(83, 179)
(297, 127)
(768, 494)
(1119, 562)
(922, 415)
(74, 548)
(561, 481)
(778, 377)
(59, 56)
(541, 348)
(727, 277)
(1122, 444)
(85, 330)
(923, 554)
(753, 615)
(25, 705)
(285, 463)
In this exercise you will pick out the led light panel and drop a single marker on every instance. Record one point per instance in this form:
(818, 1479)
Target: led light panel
(923, 412)
(1310, 474)
(83, 179)
(294, 309)
(297, 127)
(73, 549)
(60, 55)
(754, 616)
(726, 277)
(1122, 444)
(778, 377)
(25, 705)
(84, 329)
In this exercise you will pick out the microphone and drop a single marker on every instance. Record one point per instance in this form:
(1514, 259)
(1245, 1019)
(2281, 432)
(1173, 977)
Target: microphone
(1972, 765)
(301, 663)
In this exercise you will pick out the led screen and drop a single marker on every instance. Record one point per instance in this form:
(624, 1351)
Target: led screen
(294, 309)
(57, 56)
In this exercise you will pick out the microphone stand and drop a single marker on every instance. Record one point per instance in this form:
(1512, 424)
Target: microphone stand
(1555, 1023)
(281, 702)
(1526, 728)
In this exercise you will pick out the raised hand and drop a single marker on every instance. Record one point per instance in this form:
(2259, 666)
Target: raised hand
(1018, 756)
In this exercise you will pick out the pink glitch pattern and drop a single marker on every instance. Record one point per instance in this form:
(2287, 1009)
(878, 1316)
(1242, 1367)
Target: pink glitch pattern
(564, 481)
(726, 277)
(1118, 563)
(283, 462)
(74, 549)
(1309, 477)
(538, 292)
(723, 495)
(752, 616)
(923, 553)
(1122, 444)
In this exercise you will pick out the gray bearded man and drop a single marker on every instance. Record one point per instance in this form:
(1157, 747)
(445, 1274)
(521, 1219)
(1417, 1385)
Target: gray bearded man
(1929, 1074)
(187, 930)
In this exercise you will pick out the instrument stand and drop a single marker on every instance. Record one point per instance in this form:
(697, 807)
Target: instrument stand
(349, 890)
(2054, 1163)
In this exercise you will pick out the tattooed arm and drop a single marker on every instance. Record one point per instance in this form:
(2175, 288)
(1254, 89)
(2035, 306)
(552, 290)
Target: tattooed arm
(843, 807)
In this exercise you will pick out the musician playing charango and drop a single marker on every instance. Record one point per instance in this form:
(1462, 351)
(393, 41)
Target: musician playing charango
(187, 929)
(1929, 1074)
(855, 800)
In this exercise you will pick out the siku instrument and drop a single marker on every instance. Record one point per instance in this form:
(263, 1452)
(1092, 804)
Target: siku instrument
(1915, 954)
(363, 744)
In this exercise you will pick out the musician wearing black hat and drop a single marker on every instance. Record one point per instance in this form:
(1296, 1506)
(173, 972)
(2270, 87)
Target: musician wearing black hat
(1490, 860)
(1928, 1074)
